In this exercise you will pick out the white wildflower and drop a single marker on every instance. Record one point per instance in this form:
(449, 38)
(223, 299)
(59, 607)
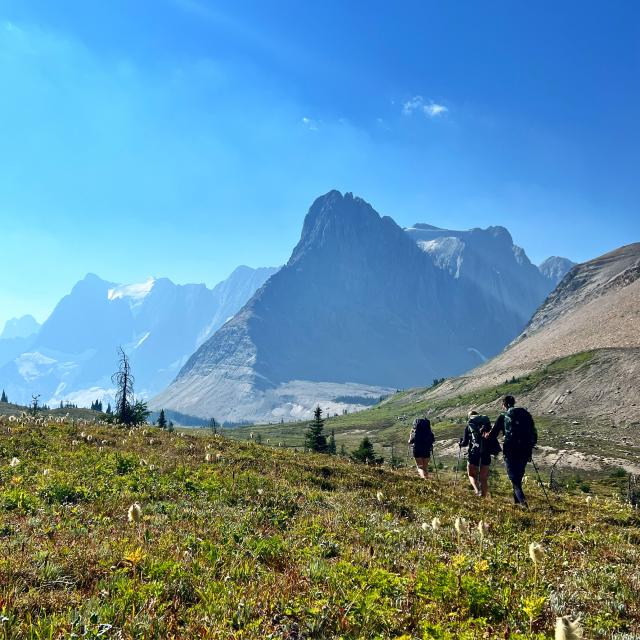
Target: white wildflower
(135, 513)
(424, 526)
(568, 630)
(436, 523)
(14, 462)
(460, 524)
(46, 472)
(536, 552)
(207, 457)
(380, 496)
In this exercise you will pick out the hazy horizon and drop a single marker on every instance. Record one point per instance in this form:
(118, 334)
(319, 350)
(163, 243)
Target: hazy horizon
(182, 138)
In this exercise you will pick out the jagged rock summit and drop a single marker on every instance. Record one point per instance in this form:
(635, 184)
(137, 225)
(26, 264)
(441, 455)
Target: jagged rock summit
(361, 306)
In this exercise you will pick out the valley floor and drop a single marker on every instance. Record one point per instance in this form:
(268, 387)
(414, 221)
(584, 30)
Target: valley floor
(239, 540)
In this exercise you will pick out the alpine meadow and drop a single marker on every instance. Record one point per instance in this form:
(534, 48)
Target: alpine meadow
(319, 321)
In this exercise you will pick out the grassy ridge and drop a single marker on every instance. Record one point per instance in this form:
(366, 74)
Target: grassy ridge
(238, 540)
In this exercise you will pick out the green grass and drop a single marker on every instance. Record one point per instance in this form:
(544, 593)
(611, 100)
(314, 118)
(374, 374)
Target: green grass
(270, 543)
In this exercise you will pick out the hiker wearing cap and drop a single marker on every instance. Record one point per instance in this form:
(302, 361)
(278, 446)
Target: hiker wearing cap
(479, 452)
(422, 439)
(520, 437)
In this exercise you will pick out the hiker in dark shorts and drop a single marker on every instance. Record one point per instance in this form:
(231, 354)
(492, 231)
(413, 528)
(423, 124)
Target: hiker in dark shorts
(478, 453)
(422, 439)
(520, 437)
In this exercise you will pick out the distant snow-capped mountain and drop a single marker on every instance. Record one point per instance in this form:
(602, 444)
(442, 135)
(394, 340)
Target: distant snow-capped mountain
(23, 327)
(17, 335)
(73, 354)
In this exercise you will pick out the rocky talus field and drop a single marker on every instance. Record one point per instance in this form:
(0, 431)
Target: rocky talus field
(107, 532)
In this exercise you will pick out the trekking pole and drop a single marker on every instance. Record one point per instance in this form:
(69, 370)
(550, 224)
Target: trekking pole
(542, 484)
(435, 464)
(455, 482)
(478, 479)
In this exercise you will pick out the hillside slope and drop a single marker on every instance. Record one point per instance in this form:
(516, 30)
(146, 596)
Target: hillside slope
(595, 308)
(243, 542)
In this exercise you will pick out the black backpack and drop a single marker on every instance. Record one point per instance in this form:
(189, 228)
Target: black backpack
(520, 435)
(422, 432)
(477, 426)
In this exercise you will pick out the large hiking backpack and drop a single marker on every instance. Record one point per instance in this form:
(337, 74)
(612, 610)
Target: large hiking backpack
(520, 435)
(422, 434)
(477, 426)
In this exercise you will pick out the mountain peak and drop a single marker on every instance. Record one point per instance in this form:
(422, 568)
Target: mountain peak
(22, 327)
(555, 268)
(338, 220)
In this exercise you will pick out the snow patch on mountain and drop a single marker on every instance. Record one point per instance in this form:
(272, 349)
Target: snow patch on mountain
(447, 253)
(133, 293)
(33, 365)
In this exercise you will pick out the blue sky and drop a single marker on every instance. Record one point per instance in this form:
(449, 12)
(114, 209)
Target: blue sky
(181, 138)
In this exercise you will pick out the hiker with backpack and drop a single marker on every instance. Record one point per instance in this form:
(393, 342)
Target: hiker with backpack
(422, 439)
(479, 451)
(520, 437)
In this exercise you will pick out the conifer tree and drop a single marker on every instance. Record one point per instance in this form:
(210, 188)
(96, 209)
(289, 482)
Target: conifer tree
(331, 447)
(162, 420)
(3, 397)
(109, 410)
(314, 438)
(366, 453)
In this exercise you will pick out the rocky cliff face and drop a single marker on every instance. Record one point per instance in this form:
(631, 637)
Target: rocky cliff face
(489, 261)
(361, 301)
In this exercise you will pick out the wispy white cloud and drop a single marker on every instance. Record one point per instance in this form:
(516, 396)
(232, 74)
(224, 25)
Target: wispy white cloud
(312, 125)
(418, 104)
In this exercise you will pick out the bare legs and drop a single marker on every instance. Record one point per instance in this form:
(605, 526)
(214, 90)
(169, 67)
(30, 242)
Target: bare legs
(472, 471)
(422, 465)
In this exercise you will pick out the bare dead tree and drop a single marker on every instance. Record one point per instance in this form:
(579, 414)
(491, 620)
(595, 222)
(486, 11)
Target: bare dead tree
(124, 381)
